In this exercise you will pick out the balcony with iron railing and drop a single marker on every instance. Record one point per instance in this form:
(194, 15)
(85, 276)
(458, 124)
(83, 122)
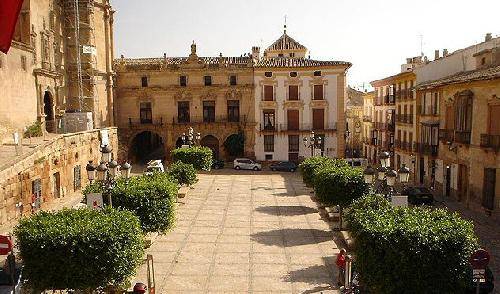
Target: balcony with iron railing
(428, 110)
(301, 127)
(404, 118)
(462, 137)
(427, 149)
(209, 119)
(490, 141)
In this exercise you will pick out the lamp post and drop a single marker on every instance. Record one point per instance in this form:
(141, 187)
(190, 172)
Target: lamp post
(107, 171)
(312, 142)
(386, 178)
(191, 138)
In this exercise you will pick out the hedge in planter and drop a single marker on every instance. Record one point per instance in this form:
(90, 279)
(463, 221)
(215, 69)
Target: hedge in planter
(183, 173)
(410, 250)
(311, 165)
(199, 157)
(151, 197)
(339, 185)
(79, 249)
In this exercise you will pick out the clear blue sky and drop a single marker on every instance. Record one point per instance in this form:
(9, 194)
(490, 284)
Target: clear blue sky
(375, 35)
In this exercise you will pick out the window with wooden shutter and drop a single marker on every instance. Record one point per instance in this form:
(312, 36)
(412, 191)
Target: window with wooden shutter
(293, 143)
(293, 119)
(268, 93)
(318, 119)
(318, 92)
(293, 92)
(494, 127)
(268, 143)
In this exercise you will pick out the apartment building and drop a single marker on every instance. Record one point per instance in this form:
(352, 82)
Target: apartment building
(369, 142)
(295, 96)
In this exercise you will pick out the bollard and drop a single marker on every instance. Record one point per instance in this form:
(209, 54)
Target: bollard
(348, 272)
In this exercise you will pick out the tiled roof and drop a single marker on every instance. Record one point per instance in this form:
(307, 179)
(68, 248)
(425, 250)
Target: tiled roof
(157, 63)
(296, 62)
(285, 42)
(462, 77)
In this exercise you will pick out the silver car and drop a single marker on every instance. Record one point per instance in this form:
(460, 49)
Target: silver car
(245, 163)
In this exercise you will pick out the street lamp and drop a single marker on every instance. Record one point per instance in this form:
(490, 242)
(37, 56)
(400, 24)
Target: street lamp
(386, 176)
(312, 142)
(107, 171)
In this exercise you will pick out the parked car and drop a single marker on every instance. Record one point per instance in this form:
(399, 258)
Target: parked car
(154, 166)
(218, 164)
(418, 195)
(245, 163)
(283, 166)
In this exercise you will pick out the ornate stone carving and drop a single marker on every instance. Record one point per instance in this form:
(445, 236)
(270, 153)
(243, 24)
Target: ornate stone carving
(233, 95)
(208, 96)
(183, 95)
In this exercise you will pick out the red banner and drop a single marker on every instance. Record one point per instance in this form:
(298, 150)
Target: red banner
(9, 12)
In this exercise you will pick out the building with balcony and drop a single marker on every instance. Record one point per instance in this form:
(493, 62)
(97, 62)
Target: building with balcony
(394, 114)
(466, 107)
(159, 99)
(295, 95)
(369, 148)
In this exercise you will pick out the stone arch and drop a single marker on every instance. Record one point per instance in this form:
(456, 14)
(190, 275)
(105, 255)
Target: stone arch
(211, 142)
(145, 146)
(230, 141)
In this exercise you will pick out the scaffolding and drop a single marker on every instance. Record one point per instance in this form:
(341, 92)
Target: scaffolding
(81, 55)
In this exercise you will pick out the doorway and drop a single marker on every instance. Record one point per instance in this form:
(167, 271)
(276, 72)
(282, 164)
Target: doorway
(56, 179)
(421, 170)
(212, 143)
(448, 182)
(48, 110)
(489, 183)
(463, 182)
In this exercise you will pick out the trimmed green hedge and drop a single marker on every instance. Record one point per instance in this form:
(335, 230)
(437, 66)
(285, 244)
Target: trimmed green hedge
(151, 197)
(339, 185)
(410, 250)
(79, 249)
(311, 165)
(199, 157)
(183, 173)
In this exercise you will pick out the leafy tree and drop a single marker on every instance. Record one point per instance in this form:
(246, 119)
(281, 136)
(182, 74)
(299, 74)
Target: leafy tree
(183, 173)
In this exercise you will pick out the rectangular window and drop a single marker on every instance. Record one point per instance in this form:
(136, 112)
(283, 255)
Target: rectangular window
(208, 80)
(77, 178)
(293, 92)
(317, 73)
(494, 126)
(269, 119)
(318, 119)
(146, 113)
(268, 93)
(232, 80)
(144, 82)
(293, 119)
(293, 143)
(268, 143)
(208, 111)
(269, 157)
(318, 92)
(183, 112)
(233, 110)
(183, 81)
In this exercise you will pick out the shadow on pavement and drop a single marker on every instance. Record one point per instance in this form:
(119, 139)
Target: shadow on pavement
(286, 210)
(322, 277)
(292, 237)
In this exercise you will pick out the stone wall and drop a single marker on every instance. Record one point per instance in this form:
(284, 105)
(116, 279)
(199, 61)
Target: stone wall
(56, 158)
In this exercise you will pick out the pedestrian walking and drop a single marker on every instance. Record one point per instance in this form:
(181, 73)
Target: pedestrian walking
(341, 266)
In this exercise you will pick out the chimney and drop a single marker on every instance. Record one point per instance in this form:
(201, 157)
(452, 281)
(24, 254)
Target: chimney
(436, 54)
(488, 37)
(256, 53)
(445, 52)
(122, 56)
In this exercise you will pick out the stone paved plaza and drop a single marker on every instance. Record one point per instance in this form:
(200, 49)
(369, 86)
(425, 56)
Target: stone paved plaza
(246, 232)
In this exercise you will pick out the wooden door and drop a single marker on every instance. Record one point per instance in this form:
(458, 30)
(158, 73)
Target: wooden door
(489, 182)
(463, 182)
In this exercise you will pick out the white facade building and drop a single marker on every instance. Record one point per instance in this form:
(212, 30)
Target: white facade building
(294, 96)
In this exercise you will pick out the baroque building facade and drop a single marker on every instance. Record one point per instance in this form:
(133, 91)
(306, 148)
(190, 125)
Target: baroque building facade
(159, 99)
(354, 123)
(39, 77)
(295, 96)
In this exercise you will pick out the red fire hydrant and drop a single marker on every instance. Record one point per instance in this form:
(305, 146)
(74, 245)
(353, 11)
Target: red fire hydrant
(140, 288)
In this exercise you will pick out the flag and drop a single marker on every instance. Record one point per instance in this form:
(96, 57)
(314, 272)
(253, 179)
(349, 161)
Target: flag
(9, 12)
